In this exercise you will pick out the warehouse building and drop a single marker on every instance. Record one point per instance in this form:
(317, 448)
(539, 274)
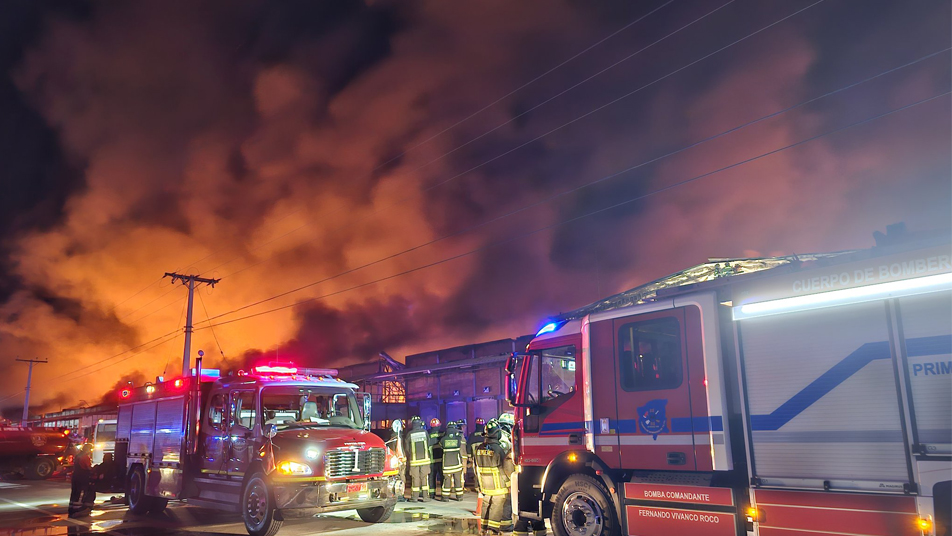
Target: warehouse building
(463, 382)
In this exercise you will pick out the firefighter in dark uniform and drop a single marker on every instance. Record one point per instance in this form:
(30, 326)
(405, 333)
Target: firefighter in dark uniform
(454, 457)
(473, 441)
(82, 494)
(436, 464)
(494, 467)
(418, 456)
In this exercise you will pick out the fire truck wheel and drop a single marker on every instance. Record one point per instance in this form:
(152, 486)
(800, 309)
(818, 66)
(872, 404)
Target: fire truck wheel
(583, 508)
(40, 469)
(378, 514)
(257, 508)
(139, 502)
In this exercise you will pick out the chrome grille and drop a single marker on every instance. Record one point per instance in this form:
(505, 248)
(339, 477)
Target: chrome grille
(340, 463)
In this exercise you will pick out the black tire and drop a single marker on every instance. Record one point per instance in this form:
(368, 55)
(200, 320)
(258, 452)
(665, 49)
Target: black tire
(378, 514)
(157, 504)
(139, 502)
(40, 469)
(258, 509)
(582, 507)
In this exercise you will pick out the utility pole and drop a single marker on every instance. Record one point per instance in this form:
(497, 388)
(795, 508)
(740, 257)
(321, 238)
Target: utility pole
(189, 281)
(29, 378)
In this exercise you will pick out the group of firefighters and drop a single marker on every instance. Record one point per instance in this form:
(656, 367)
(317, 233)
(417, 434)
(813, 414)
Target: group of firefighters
(440, 457)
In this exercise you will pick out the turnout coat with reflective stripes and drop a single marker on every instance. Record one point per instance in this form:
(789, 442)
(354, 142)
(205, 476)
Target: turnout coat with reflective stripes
(493, 467)
(453, 451)
(418, 447)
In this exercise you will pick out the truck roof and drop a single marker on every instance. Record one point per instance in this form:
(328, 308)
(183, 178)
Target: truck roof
(720, 272)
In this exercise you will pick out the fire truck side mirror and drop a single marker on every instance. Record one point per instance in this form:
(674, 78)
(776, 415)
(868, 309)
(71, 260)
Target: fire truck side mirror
(270, 430)
(368, 402)
(511, 388)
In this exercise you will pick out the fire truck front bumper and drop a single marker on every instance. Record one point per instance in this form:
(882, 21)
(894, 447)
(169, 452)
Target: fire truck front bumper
(325, 496)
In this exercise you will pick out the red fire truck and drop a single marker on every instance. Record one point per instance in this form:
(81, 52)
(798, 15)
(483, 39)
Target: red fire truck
(782, 397)
(256, 443)
(34, 453)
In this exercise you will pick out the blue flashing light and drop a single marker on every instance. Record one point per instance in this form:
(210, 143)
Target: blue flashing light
(548, 328)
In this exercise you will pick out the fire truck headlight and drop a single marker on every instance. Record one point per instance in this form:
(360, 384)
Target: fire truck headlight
(925, 525)
(294, 468)
(99, 446)
(312, 454)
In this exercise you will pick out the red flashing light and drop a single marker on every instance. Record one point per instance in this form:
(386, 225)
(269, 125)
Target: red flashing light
(275, 369)
(178, 383)
(125, 393)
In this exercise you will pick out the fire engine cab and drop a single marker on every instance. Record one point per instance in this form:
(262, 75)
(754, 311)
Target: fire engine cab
(256, 443)
(789, 396)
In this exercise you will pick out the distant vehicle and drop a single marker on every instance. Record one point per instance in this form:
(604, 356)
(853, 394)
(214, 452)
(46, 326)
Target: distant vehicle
(259, 443)
(34, 453)
(807, 397)
(104, 439)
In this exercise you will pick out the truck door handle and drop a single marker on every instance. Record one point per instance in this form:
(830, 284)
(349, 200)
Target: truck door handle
(575, 439)
(676, 458)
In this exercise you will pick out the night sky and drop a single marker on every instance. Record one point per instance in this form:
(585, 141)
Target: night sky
(279, 144)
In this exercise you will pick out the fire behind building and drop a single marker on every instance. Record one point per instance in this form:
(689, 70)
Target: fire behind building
(464, 382)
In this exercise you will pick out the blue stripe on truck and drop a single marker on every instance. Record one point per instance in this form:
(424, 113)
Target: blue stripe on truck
(840, 372)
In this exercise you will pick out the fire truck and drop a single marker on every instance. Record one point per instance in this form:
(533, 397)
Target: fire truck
(34, 453)
(791, 396)
(258, 443)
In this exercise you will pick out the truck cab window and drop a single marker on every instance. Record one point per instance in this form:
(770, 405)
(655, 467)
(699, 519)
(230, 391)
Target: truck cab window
(551, 374)
(649, 355)
(243, 409)
(216, 411)
(558, 372)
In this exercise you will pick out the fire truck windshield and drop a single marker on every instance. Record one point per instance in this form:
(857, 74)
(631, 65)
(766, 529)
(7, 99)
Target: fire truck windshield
(302, 407)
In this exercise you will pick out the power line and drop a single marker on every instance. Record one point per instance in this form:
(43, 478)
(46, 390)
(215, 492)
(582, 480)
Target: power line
(563, 222)
(202, 301)
(527, 84)
(556, 129)
(597, 181)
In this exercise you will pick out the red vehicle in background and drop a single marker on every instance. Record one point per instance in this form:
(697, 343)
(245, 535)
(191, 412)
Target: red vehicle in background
(34, 453)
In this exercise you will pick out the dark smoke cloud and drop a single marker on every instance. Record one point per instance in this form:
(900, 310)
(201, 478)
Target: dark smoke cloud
(284, 142)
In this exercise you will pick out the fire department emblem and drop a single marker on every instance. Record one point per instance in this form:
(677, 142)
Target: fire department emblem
(652, 419)
(38, 440)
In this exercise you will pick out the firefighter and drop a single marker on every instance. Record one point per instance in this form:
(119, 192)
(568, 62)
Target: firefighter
(419, 455)
(454, 449)
(474, 440)
(493, 469)
(82, 494)
(396, 446)
(436, 463)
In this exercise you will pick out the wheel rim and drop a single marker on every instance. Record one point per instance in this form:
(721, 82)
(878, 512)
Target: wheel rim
(44, 468)
(135, 486)
(256, 504)
(582, 516)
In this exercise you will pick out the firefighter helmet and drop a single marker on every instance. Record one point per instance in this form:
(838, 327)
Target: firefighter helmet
(480, 420)
(507, 418)
(492, 429)
(434, 423)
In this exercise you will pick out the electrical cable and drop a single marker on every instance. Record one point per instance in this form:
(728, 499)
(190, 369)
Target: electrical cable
(597, 181)
(202, 301)
(604, 209)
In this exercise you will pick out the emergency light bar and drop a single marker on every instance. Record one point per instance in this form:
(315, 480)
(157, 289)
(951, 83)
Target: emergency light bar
(892, 289)
(269, 369)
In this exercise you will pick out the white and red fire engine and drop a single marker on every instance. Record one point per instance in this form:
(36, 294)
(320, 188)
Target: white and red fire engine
(779, 397)
(256, 443)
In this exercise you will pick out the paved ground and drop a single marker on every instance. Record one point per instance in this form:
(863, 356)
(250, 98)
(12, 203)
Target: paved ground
(39, 509)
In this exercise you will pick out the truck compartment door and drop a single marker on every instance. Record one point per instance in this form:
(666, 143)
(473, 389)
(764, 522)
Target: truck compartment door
(654, 423)
(926, 331)
(822, 398)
